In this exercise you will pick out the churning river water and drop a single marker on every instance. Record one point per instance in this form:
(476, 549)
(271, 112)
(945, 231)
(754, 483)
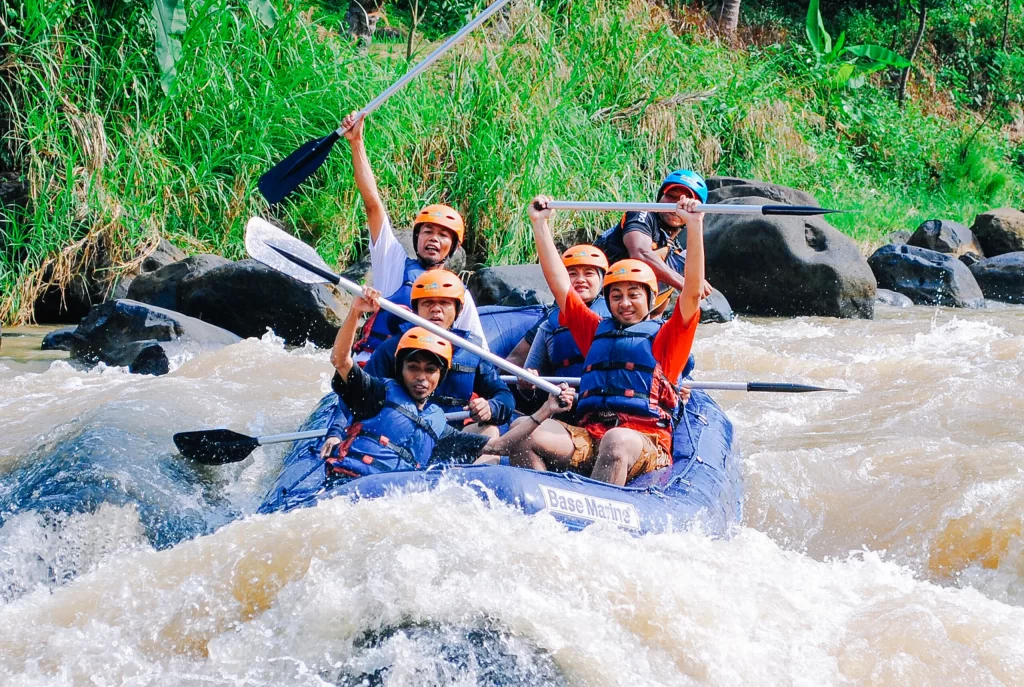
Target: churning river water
(881, 541)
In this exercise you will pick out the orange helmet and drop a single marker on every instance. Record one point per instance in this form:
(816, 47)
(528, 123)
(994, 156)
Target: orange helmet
(631, 270)
(439, 284)
(444, 216)
(585, 254)
(419, 339)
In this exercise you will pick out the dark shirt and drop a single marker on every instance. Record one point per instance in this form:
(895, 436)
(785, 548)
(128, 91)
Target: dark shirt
(364, 395)
(612, 242)
(487, 384)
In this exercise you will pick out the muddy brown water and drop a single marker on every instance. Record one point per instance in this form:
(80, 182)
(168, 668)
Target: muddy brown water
(881, 542)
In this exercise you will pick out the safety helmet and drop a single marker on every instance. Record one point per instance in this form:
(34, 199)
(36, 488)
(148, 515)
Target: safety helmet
(444, 216)
(631, 270)
(690, 179)
(419, 339)
(439, 284)
(585, 254)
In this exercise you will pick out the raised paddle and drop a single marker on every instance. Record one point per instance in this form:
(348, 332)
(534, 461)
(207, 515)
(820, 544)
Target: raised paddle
(285, 253)
(714, 208)
(223, 446)
(720, 386)
(287, 174)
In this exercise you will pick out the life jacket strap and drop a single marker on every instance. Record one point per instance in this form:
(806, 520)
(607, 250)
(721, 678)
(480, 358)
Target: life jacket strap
(605, 365)
(414, 418)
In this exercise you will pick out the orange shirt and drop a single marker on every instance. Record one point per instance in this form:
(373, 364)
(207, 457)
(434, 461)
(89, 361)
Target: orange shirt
(671, 349)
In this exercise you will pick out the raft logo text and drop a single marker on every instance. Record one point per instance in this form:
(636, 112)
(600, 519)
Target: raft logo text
(591, 508)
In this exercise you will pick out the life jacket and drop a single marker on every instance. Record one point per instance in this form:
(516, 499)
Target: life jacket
(399, 437)
(621, 377)
(382, 325)
(455, 390)
(562, 350)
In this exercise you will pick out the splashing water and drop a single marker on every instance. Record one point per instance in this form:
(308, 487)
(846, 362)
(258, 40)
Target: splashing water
(882, 541)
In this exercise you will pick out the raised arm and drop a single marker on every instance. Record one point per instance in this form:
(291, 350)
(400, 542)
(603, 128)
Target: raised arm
(639, 246)
(341, 354)
(555, 273)
(693, 273)
(367, 185)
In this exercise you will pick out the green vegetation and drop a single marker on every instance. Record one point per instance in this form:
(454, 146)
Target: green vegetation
(585, 99)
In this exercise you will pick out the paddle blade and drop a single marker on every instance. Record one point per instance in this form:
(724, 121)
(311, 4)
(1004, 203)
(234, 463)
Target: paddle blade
(797, 210)
(286, 175)
(788, 388)
(215, 446)
(269, 245)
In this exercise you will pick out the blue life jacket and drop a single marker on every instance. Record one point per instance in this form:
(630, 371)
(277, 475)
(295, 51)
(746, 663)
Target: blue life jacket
(383, 325)
(399, 437)
(622, 377)
(564, 354)
(455, 390)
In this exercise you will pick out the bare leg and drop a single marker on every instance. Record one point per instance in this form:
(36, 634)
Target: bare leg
(619, 450)
(549, 446)
(489, 431)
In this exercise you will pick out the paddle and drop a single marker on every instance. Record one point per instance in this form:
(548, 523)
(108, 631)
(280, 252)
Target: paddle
(718, 209)
(287, 174)
(285, 253)
(720, 386)
(223, 446)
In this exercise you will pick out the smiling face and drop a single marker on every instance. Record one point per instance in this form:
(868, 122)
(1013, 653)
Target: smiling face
(440, 311)
(433, 243)
(672, 195)
(421, 373)
(586, 281)
(628, 302)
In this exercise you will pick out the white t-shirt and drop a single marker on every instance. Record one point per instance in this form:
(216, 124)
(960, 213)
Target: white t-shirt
(387, 260)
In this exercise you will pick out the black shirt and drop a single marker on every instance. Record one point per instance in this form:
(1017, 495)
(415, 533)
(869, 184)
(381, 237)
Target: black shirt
(612, 242)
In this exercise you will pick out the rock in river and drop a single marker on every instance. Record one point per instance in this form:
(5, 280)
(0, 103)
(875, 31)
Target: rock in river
(247, 298)
(160, 287)
(897, 300)
(1001, 278)
(926, 276)
(510, 285)
(945, 236)
(1000, 231)
(786, 266)
(142, 337)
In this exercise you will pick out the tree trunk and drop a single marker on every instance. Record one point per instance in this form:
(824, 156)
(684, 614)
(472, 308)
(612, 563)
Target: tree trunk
(896, 24)
(362, 17)
(922, 15)
(1006, 25)
(729, 17)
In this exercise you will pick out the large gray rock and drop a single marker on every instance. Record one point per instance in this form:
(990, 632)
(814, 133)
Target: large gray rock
(142, 337)
(721, 189)
(1000, 231)
(897, 300)
(926, 276)
(945, 236)
(899, 237)
(786, 266)
(160, 287)
(510, 285)
(1001, 278)
(247, 298)
(715, 308)
(59, 339)
(164, 254)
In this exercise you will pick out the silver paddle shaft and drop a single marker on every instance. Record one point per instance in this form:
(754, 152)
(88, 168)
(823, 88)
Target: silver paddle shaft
(427, 61)
(689, 384)
(614, 206)
(317, 433)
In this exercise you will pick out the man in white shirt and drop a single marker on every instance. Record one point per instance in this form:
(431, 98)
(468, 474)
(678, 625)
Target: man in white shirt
(437, 232)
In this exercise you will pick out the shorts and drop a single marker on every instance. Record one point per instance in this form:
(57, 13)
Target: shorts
(652, 455)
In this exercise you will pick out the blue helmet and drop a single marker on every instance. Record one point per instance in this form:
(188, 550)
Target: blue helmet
(689, 179)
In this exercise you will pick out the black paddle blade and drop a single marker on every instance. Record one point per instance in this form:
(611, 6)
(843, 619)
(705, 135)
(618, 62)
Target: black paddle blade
(788, 388)
(798, 210)
(215, 446)
(286, 175)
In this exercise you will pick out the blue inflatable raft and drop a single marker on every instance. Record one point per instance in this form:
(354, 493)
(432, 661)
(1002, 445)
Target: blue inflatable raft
(704, 485)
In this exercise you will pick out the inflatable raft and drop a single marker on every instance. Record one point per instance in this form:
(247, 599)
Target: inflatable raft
(703, 486)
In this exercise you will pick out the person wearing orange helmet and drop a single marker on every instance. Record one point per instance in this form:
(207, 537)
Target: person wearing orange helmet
(627, 396)
(472, 383)
(437, 232)
(385, 424)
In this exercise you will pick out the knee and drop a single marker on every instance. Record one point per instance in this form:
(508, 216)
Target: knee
(618, 444)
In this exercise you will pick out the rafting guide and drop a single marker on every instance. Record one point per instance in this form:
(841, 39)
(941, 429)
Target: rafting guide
(437, 232)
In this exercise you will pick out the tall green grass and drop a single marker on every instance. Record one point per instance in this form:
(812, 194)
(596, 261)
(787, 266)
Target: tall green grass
(586, 99)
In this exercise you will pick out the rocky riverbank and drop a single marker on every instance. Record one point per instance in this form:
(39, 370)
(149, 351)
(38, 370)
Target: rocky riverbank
(172, 304)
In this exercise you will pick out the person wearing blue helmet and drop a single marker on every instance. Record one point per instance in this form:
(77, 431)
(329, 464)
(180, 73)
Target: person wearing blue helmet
(652, 236)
